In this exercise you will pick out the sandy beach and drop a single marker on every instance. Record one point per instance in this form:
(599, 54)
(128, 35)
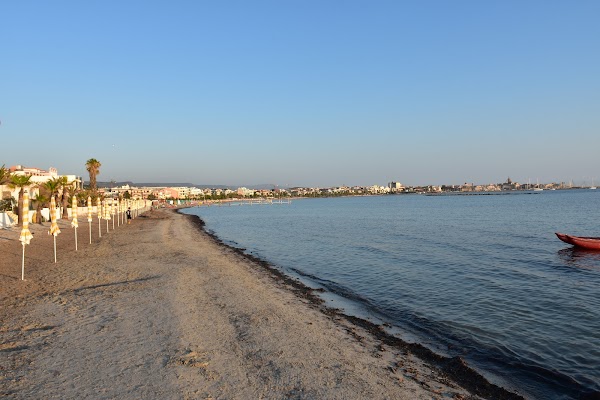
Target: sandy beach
(159, 309)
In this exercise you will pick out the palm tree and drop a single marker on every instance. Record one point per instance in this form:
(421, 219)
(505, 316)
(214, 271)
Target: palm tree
(4, 175)
(66, 190)
(93, 167)
(40, 199)
(52, 186)
(21, 182)
(82, 196)
(4, 178)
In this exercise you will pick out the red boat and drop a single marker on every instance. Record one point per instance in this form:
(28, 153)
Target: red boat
(590, 243)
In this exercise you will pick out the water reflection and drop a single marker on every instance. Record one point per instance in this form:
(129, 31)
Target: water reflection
(580, 258)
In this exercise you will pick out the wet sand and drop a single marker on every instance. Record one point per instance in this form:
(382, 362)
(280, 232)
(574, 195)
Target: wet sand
(160, 309)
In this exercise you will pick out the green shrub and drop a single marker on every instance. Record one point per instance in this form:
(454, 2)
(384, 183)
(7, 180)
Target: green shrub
(6, 205)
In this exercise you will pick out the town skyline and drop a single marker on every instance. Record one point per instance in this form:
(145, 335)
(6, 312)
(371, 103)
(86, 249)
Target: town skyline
(52, 171)
(305, 93)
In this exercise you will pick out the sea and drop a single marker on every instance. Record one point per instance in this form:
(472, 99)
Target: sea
(482, 277)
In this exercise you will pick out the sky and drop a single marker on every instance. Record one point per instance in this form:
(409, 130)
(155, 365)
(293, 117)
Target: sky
(303, 93)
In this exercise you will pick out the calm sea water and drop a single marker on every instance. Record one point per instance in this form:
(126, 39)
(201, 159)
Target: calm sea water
(481, 277)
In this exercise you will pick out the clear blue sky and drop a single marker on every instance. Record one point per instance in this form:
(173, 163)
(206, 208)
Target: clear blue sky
(313, 93)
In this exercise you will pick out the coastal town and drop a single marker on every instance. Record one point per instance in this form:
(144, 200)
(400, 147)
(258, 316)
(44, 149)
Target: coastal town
(69, 190)
(162, 193)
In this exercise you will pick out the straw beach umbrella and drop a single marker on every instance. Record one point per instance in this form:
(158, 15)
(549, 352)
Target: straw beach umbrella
(54, 230)
(26, 235)
(74, 223)
(89, 210)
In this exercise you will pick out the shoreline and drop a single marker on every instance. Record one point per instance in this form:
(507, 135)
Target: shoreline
(454, 367)
(163, 309)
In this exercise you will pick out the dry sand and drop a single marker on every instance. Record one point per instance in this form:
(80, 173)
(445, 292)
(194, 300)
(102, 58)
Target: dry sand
(159, 309)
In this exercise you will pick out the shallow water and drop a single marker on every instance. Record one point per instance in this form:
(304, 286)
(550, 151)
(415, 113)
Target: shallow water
(482, 277)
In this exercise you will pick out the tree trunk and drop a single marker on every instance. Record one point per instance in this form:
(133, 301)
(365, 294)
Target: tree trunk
(20, 211)
(65, 204)
(92, 181)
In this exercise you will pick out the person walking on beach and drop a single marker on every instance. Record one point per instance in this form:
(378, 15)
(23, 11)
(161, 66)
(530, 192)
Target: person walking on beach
(128, 213)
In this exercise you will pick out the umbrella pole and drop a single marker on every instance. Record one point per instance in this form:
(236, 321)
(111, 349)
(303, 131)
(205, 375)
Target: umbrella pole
(23, 264)
(90, 223)
(75, 239)
(54, 249)
(99, 228)
(113, 224)
(106, 226)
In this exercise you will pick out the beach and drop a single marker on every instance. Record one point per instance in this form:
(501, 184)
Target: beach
(161, 309)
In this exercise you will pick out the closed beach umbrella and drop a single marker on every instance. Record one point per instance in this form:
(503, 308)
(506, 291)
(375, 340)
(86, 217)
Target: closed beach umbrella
(26, 235)
(54, 230)
(74, 222)
(99, 213)
(118, 209)
(106, 214)
(89, 210)
(113, 211)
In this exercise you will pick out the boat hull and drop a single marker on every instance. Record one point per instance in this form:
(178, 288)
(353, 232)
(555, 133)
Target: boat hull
(590, 243)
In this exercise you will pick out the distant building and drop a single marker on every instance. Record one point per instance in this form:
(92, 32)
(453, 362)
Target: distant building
(395, 187)
(467, 187)
(38, 177)
(510, 185)
(167, 193)
(182, 192)
(245, 192)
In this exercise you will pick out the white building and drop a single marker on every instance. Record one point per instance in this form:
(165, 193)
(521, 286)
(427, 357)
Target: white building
(38, 178)
(245, 192)
(395, 186)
